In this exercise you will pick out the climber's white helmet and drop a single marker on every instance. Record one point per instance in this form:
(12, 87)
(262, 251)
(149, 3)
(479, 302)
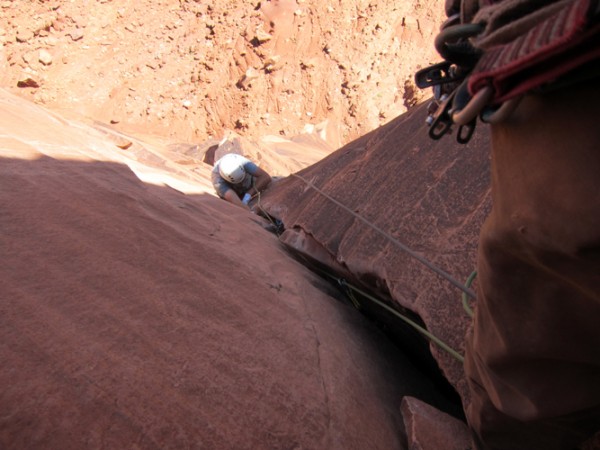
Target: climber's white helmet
(231, 168)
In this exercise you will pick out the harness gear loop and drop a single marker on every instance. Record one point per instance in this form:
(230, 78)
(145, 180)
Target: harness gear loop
(555, 45)
(442, 121)
(449, 77)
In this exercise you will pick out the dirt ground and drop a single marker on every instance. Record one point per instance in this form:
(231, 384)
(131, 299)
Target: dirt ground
(189, 70)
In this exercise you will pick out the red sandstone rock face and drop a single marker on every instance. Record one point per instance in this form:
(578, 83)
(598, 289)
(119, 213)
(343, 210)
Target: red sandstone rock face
(430, 196)
(179, 360)
(430, 429)
(133, 315)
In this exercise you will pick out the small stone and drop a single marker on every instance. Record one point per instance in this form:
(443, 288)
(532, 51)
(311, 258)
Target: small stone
(271, 63)
(51, 41)
(45, 57)
(24, 35)
(307, 64)
(246, 80)
(261, 36)
(241, 124)
(76, 34)
(28, 57)
(27, 81)
(123, 143)
(186, 104)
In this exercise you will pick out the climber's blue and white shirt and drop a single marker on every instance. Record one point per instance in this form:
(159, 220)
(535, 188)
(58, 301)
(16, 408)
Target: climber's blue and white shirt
(221, 185)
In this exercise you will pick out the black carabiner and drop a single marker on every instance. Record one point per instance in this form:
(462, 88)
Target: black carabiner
(452, 44)
(462, 136)
(442, 121)
(439, 73)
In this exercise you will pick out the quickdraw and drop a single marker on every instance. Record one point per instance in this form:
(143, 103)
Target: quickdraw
(558, 50)
(448, 80)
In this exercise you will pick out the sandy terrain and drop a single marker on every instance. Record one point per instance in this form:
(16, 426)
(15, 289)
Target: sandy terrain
(190, 70)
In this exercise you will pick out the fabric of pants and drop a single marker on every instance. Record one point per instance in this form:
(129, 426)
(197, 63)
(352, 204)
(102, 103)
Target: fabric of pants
(533, 356)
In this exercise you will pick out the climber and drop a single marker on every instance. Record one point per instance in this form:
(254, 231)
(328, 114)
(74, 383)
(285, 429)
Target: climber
(238, 180)
(530, 69)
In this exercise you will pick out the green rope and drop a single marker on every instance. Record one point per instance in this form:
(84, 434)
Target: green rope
(465, 300)
(413, 324)
(265, 213)
(466, 291)
(392, 239)
(344, 284)
(456, 355)
(267, 216)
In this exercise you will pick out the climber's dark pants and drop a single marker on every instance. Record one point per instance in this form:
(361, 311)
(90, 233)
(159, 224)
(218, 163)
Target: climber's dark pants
(533, 359)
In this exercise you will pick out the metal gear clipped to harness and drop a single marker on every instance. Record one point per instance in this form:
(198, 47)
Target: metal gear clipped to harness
(449, 79)
(495, 53)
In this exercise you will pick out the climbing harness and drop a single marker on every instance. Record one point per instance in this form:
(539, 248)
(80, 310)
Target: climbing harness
(519, 50)
(449, 81)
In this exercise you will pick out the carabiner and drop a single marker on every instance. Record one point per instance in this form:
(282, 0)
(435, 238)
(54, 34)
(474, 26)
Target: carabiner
(473, 106)
(442, 122)
(465, 132)
(501, 113)
(452, 44)
(439, 73)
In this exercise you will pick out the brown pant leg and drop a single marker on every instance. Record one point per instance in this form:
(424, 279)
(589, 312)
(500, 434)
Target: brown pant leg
(533, 358)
